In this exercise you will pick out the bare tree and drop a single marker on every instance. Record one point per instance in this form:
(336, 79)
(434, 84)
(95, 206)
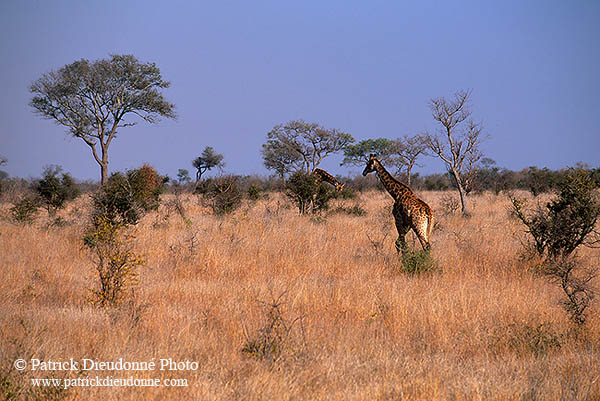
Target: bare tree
(301, 146)
(93, 99)
(458, 140)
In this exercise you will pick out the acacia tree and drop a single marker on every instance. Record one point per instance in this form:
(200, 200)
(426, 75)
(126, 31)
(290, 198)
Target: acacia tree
(458, 140)
(358, 154)
(95, 99)
(208, 160)
(301, 146)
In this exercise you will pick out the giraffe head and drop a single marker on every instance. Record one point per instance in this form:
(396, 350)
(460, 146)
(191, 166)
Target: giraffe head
(370, 164)
(339, 187)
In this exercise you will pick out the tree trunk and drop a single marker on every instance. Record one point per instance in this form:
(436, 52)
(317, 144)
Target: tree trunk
(461, 192)
(104, 166)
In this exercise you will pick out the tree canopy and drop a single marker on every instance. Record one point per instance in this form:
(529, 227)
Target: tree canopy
(301, 146)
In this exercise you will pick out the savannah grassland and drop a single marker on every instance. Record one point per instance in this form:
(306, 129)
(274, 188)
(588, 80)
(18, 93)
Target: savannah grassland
(346, 323)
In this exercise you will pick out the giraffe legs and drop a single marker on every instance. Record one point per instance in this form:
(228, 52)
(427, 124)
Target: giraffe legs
(402, 226)
(421, 230)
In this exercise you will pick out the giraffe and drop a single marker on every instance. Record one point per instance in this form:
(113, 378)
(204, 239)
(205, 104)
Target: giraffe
(322, 175)
(409, 211)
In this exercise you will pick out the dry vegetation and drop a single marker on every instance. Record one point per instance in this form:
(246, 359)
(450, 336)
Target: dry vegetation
(276, 306)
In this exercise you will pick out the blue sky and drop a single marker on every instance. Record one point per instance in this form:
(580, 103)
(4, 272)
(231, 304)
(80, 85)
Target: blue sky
(238, 68)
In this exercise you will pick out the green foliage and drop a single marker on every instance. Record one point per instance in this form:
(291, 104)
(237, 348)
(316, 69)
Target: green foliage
(301, 146)
(223, 195)
(183, 176)
(417, 261)
(254, 192)
(55, 191)
(116, 263)
(565, 222)
(539, 181)
(359, 153)
(208, 160)
(303, 190)
(93, 100)
(25, 209)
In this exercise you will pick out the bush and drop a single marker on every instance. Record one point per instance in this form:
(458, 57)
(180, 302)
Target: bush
(126, 197)
(254, 192)
(558, 229)
(116, 202)
(276, 338)
(116, 263)
(25, 209)
(415, 261)
(55, 191)
(223, 194)
(147, 185)
(303, 190)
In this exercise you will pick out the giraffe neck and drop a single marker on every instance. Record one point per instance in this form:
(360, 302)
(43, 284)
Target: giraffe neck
(325, 176)
(397, 189)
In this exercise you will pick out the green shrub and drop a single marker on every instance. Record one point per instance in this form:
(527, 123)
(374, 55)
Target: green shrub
(126, 197)
(254, 192)
(55, 191)
(304, 192)
(417, 261)
(112, 253)
(558, 229)
(25, 209)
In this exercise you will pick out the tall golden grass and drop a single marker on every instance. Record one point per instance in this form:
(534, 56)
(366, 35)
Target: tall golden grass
(485, 327)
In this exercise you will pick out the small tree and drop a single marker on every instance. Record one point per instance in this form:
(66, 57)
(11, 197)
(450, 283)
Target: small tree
(303, 190)
(111, 250)
(55, 191)
(183, 176)
(95, 99)
(558, 229)
(301, 146)
(458, 141)
(208, 160)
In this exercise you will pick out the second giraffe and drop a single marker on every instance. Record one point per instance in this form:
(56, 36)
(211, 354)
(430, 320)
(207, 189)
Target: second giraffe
(322, 175)
(409, 211)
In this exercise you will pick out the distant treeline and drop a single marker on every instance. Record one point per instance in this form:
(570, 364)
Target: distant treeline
(533, 179)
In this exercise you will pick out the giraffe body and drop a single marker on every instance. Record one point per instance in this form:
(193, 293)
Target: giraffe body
(409, 211)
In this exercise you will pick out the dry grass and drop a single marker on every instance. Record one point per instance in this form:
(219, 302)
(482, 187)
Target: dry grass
(484, 328)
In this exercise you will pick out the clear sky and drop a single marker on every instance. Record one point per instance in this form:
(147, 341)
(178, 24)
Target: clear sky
(237, 68)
